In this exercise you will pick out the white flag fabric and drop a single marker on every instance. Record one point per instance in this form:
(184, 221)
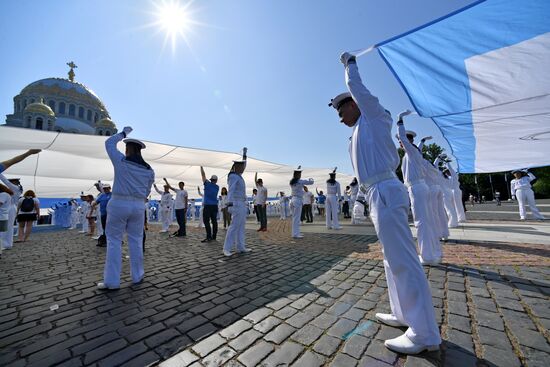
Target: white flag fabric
(71, 163)
(482, 74)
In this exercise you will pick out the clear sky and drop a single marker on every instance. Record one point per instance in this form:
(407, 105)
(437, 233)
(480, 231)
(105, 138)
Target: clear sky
(255, 73)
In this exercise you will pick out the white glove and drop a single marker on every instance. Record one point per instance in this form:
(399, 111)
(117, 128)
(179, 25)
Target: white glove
(443, 156)
(513, 197)
(346, 57)
(127, 130)
(403, 114)
(427, 138)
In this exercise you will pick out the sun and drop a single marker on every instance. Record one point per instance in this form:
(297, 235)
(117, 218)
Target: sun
(174, 19)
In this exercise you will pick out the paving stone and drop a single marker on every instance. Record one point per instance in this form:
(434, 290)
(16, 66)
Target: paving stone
(161, 338)
(285, 355)
(202, 331)
(367, 361)
(310, 359)
(327, 345)
(324, 321)
(285, 312)
(307, 335)
(208, 345)
(343, 360)
(459, 323)
(245, 340)
(461, 340)
(258, 315)
(254, 355)
(378, 350)
(341, 328)
(500, 357)
(338, 308)
(267, 324)
(314, 309)
(280, 333)
(299, 320)
(489, 319)
(459, 358)
(236, 329)
(355, 346)
(123, 355)
(494, 338)
(184, 358)
(458, 308)
(532, 339)
(219, 357)
(414, 361)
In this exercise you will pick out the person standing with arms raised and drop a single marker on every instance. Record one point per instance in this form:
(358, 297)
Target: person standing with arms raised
(374, 160)
(332, 202)
(237, 204)
(210, 206)
(131, 187)
(261, 202)
(297, 201)
(180, 207)
(165, 211)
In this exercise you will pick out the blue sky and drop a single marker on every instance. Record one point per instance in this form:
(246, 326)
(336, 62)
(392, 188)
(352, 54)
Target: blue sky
(257, 74)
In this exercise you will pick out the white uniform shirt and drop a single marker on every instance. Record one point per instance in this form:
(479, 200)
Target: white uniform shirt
(181, 195)
(236, 188)
(261, 198)
(371, 148)
(298, 188)
(309, 198)
(523, 183)
(223, 201)
(354, 191)
(412, 164)
(5, 204)
(334, 189)
(17, 190)
(132, 180)
(165, 198)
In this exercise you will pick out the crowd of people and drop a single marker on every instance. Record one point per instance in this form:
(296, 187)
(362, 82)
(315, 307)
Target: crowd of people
(430, 190)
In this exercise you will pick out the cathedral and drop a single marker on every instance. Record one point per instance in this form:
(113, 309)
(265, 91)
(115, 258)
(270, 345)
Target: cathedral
(62, 105)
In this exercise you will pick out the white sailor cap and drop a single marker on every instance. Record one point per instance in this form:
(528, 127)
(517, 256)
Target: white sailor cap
(240, 161)
(213, 178)
(411, 133)
(299, 169)
(339, 100)
(14, 179)
(106, 186)
(134, 141)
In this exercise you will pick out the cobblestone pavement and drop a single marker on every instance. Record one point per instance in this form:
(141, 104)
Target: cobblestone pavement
(305, 303)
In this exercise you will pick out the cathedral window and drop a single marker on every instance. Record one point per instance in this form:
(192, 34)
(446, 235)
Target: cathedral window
(72, 109)
(32, 100)
(96, 117)
(28, 123)
(89, 115)
(51, 103)
(39, 123)
(107, 133)
(81, 112)
(62, 108)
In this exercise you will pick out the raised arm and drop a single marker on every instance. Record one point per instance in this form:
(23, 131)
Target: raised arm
(531, 176)
(409, 148)
(256, 179)
(339, 191)
(422, 141)
(6, 182)
(169, 186)
(110, 145)
(157, 189)
(367, 103)
(317, 191)
(10, 162)
(200, 193)
(203, 175)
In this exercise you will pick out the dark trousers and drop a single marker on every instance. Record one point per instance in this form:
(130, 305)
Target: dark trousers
(210, 214)
(180, 217)
(307, 213)
(257, 212)
(102, 240)
(262, 210)
(345, 209)
(226, 217)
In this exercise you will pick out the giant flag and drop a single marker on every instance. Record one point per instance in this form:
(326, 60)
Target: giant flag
(482, 74)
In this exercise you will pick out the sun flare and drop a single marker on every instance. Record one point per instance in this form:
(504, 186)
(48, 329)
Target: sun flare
(174, 19)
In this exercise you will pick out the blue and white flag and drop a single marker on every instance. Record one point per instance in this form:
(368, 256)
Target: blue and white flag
(482, 74)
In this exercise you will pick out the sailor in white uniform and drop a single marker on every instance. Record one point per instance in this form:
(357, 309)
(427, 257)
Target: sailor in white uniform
(414, 173)
(374, 159)
(16, 189)
(165, 207)
(521, 189)
(131, 187)
(334, 194)
(297, 201)
(237, 204)
(457, 192)
(448, 196)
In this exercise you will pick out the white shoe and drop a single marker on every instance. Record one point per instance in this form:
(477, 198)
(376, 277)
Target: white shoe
(95, 238)
(245, 250)
(329, 227)
(402, 344)
(103, 286)
(337, 228)
(298, 236)
(389, 319)
(227, 253)
(428, 262)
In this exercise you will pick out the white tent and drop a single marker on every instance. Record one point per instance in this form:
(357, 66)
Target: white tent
(71, 163)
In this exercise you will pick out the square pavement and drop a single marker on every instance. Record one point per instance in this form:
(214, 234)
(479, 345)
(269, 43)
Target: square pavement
(307, 302)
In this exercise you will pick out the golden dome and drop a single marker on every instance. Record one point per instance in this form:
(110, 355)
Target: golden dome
(39, 107)
(105, 123)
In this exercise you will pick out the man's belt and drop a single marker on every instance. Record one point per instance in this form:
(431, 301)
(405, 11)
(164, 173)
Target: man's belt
(376, 179)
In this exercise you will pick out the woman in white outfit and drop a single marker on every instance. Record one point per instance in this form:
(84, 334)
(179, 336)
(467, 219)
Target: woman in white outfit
(521, 189)
(297, 201)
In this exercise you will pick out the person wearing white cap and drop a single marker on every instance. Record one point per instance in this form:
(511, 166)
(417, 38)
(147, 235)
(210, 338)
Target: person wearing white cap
(210, 206)
(103, 200)
(447, 187)
(414, 173)
(237, 204)
(334, 194)
(131, 187)
(457, 193)
(297, 201)
(16, 189)
(180, 207)
(165, 207)
(283, 204)
(521, 189)
(261, 202)
(354, 191)
(374, 159)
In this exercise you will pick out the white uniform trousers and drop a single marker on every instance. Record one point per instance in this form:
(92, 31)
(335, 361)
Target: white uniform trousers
(236, 230)
(441, 228)
(124, 216)
(331, 212)
(98, 225)
(527, 197)
(428, 241)
(450, 208)
(409, 292)
(284, 211)
(296, 206)
(84, 222)
(165, 214)
(461, 216)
